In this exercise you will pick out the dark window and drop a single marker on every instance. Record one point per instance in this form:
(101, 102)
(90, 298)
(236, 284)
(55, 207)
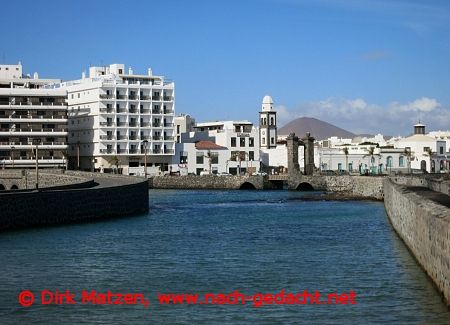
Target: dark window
(199, 158)
(233, 142)
(441, 150)
(251, 155)
(214, 157)
(242, 142)
(251, 142)
(272, 140)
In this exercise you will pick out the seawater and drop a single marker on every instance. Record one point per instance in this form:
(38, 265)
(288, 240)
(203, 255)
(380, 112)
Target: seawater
(219, 242)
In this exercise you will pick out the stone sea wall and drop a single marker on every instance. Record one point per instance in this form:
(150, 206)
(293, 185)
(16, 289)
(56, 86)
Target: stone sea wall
(106, 196)
(424, 226)
(205, 182)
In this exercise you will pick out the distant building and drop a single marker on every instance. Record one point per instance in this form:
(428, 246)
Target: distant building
(218, 147)
(267, 124)
(30, 115)
(183, 123)
(117, 117)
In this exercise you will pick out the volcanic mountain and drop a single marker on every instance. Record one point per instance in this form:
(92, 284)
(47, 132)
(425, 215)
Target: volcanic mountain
(319, 129)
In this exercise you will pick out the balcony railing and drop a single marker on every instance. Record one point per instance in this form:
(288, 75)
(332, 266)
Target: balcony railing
(121, 137)
(133, 111)
(156, 125)
(169, 151)
(156, 150)
(120, 96)
(133, 97)
(121, 123)
(168, 125)
(145, 98)
(133, 124)
(108, 151)
(106, 96)
(156, 97)
(168, 137)
(106, 137)
(146, 124)
(168, 111)
(106, 110)
(107, 123)
(133, 150)
(167, 98)
(145, 111)
(157, 137)
(121, 110)
(146, 137)
(156, 111)
(121, 150)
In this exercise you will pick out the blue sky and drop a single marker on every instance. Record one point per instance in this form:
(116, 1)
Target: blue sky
(365, 65)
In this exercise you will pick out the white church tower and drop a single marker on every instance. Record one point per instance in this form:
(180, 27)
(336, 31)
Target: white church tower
(267, 124)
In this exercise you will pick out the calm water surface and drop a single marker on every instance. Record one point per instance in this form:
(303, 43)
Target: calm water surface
(217, 241)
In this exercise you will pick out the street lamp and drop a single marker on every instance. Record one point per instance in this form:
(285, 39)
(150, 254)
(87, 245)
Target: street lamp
(145, 143)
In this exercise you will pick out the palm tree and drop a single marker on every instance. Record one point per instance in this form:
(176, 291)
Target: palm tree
(346, 152)
(116, 162)
(429, 153)
(407, 152)
(371, 154)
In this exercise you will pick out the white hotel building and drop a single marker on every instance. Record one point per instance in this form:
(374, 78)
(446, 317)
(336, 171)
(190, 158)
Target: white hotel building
(31, 115)
(119, 119)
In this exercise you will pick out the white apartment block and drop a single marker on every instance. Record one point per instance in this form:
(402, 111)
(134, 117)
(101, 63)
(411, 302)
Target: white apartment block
(118, 119)
(31, 115)
(218, 147)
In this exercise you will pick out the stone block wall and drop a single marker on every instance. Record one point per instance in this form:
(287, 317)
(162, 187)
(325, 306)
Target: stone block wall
(205, 182)
(424, 226)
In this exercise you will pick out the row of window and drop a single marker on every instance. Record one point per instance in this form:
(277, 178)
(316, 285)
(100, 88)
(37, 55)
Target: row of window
(242, 142)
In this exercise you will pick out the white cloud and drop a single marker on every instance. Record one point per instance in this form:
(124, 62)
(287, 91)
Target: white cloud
(358, 116)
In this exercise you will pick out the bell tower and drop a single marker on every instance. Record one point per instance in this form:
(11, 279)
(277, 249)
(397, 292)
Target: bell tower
(267, 124)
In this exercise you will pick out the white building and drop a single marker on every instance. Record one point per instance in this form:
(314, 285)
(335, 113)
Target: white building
(119, 119)
(428, 153)
(31, 115)
(218, 147)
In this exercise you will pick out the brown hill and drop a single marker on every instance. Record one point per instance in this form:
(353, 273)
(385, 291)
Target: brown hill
(318, 129)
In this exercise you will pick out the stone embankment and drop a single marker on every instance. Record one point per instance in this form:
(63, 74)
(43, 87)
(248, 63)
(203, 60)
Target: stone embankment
(421, 217)
(90, 196)
(207, 182)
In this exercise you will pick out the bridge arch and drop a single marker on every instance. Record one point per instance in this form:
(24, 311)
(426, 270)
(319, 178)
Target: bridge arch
(247, 186)
(14, 187)
(2, 187)
(304, 186)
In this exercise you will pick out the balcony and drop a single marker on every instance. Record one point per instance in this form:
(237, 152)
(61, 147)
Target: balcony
(121, 150)
(121, 110)
(156, 111)
(168, 137)
(121, 123)
(107, 124)
(169, 151)
(145, 98)
(156, 97)
(168, 111)
(167, 98)
(121, 97)
(156, 150)
(106, 137)
(146, 124)
(145, 111)
(133, 111)
(168, 125)
(133, 97)
(106, 96)
(146, 137)
(134, 151)
(156, 125)
(107, 151)
(133, 124)
(157, 137)
(121, 137)
(134, 137)
(106, 110)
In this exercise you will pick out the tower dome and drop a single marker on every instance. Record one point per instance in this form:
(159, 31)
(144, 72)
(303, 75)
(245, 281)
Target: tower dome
(267, 103)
